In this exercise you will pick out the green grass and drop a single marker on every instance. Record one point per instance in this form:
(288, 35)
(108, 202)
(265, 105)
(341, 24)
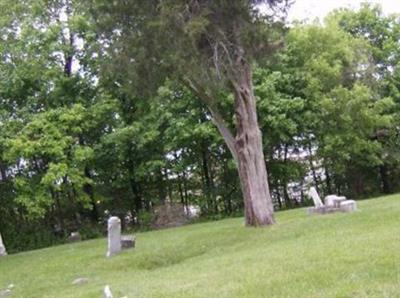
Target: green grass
(336, 255)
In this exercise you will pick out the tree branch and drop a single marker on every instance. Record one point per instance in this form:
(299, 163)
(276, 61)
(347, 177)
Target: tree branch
(216, 115)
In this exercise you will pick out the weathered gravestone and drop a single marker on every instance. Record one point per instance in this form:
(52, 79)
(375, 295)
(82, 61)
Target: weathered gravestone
(7, 292)
(107, 292)
(348, 206)
(315, 197)
(114, 236)
(127, 241)
(333, 203)
(319, 207)
(3, 251)
(329, 200)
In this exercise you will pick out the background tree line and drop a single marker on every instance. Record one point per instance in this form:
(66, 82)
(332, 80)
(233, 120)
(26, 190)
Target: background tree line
(76, 143)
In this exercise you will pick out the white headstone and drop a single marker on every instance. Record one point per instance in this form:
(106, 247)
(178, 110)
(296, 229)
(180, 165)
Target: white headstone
(107, 292)
(338, 200)
(329, 200)
(114, 236)
(314, 195)
(3, 251)
(348, 206)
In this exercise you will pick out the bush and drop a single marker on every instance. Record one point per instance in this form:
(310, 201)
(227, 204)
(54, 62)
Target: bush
(145, 219)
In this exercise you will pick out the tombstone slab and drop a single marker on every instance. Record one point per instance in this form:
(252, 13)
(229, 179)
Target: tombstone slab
(329, 200)
(348, 206)
(5, 293)
(127, 241)
(321, 210)
(3, 251)
(114, 236)
(338, 200)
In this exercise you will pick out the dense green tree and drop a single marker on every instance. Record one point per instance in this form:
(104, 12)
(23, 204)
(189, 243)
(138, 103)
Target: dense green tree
(382, 33)
(209, 46)
(51, 113)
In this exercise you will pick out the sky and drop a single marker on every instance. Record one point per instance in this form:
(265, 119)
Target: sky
(311, 9)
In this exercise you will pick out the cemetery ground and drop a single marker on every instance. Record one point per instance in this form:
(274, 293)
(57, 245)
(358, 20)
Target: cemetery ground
(333, 255)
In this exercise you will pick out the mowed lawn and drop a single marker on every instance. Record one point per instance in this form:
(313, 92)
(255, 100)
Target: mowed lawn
(336, 255)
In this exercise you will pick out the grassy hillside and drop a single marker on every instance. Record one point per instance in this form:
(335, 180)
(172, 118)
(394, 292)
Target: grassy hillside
(337, 255)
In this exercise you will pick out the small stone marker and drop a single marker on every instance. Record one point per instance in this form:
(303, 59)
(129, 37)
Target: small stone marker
(333, 203)
(127, 241)
(107, 292)
(348, 206)
(5, 293)
(80, 281)
(3, 251)
(337, 201)
(329, 200)
(114, 236)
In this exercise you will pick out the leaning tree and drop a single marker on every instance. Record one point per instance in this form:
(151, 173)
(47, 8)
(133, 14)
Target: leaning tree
(209, 46)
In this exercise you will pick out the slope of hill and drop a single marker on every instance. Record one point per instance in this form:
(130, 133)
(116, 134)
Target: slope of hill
(336, 255)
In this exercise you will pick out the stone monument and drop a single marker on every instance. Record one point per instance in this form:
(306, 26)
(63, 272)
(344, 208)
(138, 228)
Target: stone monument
(127, 241)
(333, 203)
(314, 195)
(114, 236)
(348, 206)
(107, 292)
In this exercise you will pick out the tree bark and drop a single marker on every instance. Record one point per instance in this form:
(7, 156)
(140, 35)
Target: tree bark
(248, 144)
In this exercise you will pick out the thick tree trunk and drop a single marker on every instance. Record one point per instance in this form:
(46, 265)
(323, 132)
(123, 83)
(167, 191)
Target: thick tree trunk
(246, 148)
(249, 151)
